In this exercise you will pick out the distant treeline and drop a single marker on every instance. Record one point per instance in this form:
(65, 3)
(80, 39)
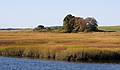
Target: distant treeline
(9, 29)
(72, 24)
(41, 28)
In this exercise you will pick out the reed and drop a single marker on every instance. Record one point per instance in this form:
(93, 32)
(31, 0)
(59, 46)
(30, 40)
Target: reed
(77, 47)
(63, 53)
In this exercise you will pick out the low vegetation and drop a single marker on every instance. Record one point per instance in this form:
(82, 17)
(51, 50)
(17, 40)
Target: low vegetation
(110, 28)
(77, 47)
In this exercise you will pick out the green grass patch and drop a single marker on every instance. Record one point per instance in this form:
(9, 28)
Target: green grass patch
(110, 28)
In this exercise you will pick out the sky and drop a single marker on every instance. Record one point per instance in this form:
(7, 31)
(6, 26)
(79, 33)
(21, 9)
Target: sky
(31, 13)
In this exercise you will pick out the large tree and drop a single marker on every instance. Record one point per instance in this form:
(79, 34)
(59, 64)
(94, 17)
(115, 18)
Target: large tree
(68, 27)
(91, 24)
(78, 24)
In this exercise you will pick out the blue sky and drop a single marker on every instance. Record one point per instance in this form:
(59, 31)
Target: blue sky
(30, 13)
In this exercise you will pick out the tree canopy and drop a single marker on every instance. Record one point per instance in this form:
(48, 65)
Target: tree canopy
(78, 24)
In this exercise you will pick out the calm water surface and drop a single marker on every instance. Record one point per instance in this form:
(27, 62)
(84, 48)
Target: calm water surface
(27, 64)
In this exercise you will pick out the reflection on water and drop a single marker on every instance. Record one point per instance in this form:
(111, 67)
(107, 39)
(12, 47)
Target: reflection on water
(27, 64)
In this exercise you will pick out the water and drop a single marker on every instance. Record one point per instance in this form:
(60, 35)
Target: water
(27, 64)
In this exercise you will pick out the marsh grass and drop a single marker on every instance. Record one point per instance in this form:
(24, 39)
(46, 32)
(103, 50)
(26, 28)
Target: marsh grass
(88, 47)
(63, 53)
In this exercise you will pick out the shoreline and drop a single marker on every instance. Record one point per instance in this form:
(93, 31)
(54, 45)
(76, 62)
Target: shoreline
(94, 62)
(69, 55)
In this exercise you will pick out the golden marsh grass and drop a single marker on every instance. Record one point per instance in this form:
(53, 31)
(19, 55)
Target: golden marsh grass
(96, 46)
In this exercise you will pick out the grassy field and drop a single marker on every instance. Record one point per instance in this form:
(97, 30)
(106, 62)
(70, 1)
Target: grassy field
(78, 47)
(110, 28)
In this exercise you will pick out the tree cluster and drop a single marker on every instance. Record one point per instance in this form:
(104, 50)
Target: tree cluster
(40, 28)
(78, 24)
